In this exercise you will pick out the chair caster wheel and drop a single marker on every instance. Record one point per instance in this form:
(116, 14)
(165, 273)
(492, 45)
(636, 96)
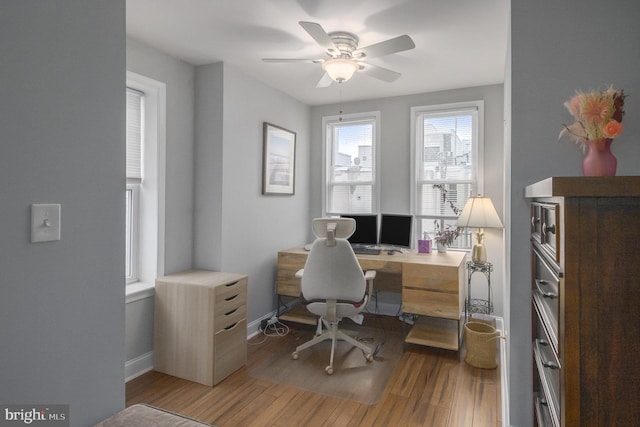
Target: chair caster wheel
(294, 355)
(369, 357)
(329, 370)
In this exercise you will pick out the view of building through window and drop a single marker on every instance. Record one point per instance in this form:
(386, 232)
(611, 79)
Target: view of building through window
(351, 170)
(445, 175)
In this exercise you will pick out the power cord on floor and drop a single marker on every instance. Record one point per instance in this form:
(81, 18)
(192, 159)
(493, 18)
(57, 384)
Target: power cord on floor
(272, 328)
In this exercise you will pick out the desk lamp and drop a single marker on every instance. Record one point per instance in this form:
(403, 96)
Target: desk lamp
(479, 212)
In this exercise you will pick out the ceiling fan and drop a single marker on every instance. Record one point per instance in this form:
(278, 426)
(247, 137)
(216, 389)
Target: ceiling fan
(344, 56)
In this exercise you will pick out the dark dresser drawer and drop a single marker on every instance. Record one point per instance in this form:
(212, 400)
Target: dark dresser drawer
(548, 378)
(546, 288)
(542, 412)
(545, 228)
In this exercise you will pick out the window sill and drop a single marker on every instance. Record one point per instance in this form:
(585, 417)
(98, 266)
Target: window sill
(139, 290)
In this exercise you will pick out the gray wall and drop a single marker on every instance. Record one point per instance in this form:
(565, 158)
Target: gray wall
(237, 229)
(558, 47)
(179, 184)
(179, 188)
(395, 152)
(62, 141)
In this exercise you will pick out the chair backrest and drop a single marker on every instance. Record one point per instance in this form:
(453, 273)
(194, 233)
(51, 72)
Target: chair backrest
(332, 270)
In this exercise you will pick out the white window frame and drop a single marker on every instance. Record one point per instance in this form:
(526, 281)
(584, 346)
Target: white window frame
(327, 153)
(133, 219)
(149, 254)
(477, 182)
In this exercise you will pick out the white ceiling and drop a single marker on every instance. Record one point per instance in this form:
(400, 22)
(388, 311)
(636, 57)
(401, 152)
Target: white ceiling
(459, 43)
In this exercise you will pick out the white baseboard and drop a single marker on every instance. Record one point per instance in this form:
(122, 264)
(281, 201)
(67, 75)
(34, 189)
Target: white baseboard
(504, 379)
(135, 367)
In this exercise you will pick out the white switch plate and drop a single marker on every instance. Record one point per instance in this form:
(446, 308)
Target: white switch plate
(45, 222)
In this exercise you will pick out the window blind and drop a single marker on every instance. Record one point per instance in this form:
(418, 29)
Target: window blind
(134, 135)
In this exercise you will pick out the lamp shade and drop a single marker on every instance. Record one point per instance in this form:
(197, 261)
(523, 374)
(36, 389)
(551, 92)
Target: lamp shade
(340, 69)
(479, 212)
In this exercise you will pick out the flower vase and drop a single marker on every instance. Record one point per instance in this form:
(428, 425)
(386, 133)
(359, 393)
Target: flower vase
(442, 248)
(599, 160)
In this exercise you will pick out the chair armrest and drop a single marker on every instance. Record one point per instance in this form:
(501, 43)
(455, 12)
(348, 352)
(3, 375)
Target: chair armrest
(369, 275)
(299, 273)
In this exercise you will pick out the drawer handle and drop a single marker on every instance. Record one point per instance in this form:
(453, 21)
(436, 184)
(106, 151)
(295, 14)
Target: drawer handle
(539, 284)
(230, 326)
(546, 364)
(228, 285)
(229, 313)
(232, 297)
(535, 221)
(550, 228)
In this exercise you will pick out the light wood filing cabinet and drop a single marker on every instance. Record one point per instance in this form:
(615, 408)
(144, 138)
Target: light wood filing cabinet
(585, 247)
(200, 331)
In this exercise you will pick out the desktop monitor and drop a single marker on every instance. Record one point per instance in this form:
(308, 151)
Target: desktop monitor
(366, 229)
(395, 230)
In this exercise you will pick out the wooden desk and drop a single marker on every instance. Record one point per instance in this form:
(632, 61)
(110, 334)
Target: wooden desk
(432, 287)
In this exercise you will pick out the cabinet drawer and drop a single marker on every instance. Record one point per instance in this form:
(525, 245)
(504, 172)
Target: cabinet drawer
(436, 304)
(230, 290)
(536, 221)
(231, 350)
(546, 297)
(542, 413)
(431, 277)
(550, 229)
(224, 319)
(231, 301)
(548, 377)
(286, 281)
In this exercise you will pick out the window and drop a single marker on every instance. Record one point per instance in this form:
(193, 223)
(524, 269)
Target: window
(350, 172)
(446, 167)
(134, 179)
(145, 140)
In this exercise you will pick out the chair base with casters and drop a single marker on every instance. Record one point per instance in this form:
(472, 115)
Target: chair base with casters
(331, 313)
(334, 334)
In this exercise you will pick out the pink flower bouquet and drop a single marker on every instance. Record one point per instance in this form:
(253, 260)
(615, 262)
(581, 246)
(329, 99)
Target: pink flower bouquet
(598, 115)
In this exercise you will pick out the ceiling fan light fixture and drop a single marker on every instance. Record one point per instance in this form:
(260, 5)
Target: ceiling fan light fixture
(340, 69)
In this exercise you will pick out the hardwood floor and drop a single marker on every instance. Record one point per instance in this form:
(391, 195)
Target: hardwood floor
(429, 387)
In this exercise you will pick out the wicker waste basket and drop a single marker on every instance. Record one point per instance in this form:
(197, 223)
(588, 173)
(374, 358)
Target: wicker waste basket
(481, 345)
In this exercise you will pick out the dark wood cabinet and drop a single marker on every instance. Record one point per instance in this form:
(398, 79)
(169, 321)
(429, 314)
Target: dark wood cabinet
(585, 252)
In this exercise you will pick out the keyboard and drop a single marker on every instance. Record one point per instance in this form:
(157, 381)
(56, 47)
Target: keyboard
(366, 251)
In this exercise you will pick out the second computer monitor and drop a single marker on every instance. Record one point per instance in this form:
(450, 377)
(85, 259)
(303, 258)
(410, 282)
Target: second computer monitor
(366, 229)
(395, 230)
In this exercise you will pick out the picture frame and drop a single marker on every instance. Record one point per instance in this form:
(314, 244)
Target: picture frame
(278, 160)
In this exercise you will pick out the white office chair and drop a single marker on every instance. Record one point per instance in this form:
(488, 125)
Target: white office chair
(333, 283)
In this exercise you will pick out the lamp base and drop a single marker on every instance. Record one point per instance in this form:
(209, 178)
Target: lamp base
(479, 254)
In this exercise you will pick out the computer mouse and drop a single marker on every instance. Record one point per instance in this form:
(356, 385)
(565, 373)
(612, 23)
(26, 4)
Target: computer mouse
(391, 252)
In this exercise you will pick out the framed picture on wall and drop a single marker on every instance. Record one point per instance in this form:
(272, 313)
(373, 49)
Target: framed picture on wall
(278, 160)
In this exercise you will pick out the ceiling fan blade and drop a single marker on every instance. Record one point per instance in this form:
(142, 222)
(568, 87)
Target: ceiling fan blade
(314, 61)
(397, 44)
(325, 81)
(320, 36)
(379, 72)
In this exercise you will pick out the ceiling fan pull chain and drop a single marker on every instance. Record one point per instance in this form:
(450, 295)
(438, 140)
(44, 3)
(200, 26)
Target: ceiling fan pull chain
(340, 104)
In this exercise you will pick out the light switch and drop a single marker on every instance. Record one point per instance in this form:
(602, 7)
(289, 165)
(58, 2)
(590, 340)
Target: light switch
(45, 222)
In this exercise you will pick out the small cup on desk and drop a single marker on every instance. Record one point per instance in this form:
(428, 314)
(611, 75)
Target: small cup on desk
(424, 246)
